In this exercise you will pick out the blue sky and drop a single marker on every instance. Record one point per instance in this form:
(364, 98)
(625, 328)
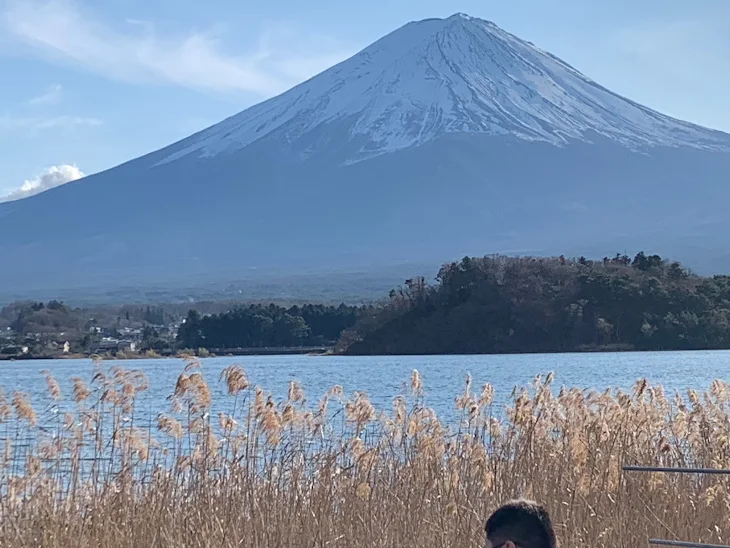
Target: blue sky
(89, 84)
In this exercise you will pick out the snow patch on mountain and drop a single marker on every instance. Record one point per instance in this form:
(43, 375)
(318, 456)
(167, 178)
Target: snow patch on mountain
(455, 75)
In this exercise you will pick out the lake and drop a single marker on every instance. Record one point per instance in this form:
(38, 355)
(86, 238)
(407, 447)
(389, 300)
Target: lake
(384, 377)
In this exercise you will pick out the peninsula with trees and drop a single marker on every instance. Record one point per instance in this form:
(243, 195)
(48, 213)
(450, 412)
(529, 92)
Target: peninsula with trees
(492, 304)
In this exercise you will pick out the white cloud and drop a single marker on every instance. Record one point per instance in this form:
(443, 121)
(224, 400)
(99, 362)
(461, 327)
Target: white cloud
(35, 124)
(50, 178)
(57, 29)
(51, 96)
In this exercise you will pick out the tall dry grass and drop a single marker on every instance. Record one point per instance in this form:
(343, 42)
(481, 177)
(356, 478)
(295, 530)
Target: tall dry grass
(340, 473)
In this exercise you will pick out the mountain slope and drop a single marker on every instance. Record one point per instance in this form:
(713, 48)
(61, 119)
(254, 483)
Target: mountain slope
(459, 75)
(445, 138)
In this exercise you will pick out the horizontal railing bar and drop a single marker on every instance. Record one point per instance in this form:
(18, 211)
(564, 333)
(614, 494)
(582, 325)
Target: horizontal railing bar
(660, 542)
(713, 471)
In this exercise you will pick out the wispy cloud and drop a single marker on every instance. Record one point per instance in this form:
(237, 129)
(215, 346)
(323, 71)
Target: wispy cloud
(25, 118)
(50, 97)
(50, 178)
(34, 124)
(139, 52)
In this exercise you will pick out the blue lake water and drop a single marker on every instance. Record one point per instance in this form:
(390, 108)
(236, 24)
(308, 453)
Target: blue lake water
(382, 378)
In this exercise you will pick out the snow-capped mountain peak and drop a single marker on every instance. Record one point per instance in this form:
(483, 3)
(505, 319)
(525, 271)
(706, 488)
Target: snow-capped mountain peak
(440, 76)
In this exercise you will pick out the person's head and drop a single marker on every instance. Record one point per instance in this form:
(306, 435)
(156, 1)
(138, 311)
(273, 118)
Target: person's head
(520, 524)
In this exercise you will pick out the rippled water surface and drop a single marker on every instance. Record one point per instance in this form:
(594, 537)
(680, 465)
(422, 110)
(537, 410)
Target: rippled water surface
(385, 377)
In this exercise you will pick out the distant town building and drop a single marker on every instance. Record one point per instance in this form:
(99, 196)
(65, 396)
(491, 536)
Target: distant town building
(110, 344)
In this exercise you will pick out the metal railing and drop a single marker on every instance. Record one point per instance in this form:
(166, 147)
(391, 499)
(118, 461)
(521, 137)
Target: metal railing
(660, 542)
(709, 471)
(668, 470)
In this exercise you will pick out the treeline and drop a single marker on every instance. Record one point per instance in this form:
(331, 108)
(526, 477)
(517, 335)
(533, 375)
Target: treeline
(260, 326)
(499, 304)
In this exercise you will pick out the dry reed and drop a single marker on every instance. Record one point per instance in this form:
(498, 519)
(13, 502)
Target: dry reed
(343, 474)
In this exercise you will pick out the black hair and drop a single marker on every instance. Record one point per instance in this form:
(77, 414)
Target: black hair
(524, 522)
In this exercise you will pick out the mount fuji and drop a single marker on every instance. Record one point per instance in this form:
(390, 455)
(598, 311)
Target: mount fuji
(444, 138)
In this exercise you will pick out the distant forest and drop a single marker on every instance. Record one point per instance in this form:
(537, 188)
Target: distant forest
(507, 305)
(260, 326)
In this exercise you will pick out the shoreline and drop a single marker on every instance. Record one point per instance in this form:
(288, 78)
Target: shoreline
(233, 352)
(330, 351)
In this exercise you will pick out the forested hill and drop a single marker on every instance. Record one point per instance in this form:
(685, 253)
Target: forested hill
(505, 305)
